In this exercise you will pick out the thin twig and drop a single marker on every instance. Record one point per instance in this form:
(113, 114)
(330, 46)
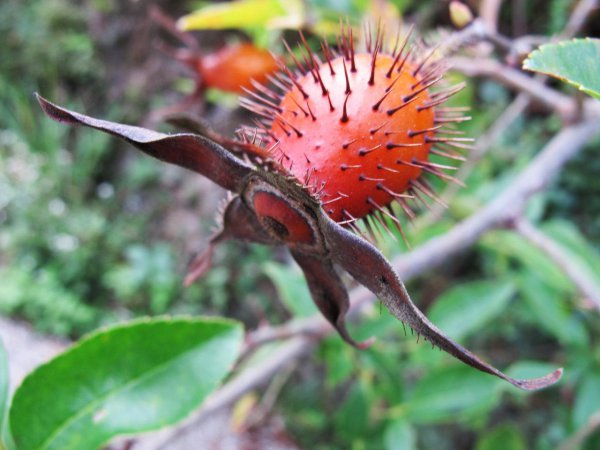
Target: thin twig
(582, 434)
(587, 286)
(542, 94)
(271, 394)
(505, 207)
(489, 11)
(578, 18)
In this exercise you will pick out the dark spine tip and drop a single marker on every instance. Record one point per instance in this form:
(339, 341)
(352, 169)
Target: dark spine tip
(351, 39)
(344, 118)
(380, 101)
(348, 89)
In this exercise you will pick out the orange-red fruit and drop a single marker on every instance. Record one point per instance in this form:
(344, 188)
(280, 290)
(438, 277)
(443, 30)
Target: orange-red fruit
(231, 68)
(360, 144)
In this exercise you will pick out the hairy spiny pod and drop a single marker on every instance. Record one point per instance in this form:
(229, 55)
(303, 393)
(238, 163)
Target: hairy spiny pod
(347, 136)
(358, 128)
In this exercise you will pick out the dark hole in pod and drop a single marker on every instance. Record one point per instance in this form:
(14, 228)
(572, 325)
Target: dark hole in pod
(277, 227)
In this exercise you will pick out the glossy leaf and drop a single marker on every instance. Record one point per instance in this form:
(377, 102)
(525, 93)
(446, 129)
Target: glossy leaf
(244, 14)
(468, 307)
(576, 62)
(122, 380)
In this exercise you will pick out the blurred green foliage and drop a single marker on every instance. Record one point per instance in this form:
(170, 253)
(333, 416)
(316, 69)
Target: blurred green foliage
(81, 244)
(74, 249)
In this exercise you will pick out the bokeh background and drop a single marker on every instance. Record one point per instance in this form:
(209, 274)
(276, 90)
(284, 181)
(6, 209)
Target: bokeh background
(93, 233)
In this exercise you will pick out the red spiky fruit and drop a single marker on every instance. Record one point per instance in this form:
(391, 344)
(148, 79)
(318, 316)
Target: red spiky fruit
(358, 128)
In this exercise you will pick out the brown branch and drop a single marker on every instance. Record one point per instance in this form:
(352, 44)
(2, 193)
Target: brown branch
(587, 286)
(575, 441)
(578, 18)
(513, 78)
(489, 11)
(545, 96)
(506, 207)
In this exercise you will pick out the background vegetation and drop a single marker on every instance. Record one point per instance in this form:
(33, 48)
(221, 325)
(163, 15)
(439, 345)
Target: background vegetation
(92, 233)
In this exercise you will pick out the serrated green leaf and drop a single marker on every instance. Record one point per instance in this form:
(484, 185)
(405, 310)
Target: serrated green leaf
(504, 437)
(452, 393)
(466, 308)
(399, 435)
(122, 380)
(576, 62)
(245, 14)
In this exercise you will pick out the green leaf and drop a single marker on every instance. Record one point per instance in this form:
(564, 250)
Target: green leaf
(352, 418)
(245, 14)
(292, 289)
(340, 361)
(3, 392)
(576, 62)
(511, 245)
(581, 253)
(504, 437)
(452, 393)
(399, 435)
(122, 380)
(587, 399)
(467, 308)
(551, 311)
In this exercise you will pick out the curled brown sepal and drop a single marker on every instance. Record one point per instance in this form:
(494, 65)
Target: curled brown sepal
(238, 222)
(194, 152)
(369, 267)
(328, 293)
